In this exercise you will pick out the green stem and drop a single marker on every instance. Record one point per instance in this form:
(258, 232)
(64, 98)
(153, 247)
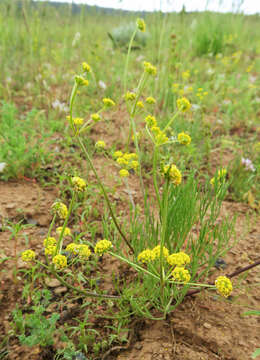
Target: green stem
(127, 58)
(171, 120)
(105, 195)
(80, 291)
(163, 235)
(155, 158)
(60, 241)
(135, 266)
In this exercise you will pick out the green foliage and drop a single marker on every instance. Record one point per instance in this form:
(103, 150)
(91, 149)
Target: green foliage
(22, 146)
(36, 328)
(208, 35)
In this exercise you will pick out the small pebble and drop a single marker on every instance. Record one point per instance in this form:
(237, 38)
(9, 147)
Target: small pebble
(220, 264)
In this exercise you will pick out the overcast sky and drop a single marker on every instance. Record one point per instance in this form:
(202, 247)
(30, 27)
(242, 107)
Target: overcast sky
(248, 6)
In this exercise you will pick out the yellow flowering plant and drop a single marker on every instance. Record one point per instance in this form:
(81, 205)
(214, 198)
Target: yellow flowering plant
(159, 242)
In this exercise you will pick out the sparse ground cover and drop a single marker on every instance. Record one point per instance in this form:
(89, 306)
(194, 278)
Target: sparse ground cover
(171, 164)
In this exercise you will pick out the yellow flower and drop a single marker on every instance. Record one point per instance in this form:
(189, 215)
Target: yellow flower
(161, 138)
(50, 250)
(117, 154)
(178, 259)
(221, 174)
(184, 139)
(78, 121)
(183, 104)
(146, 256)
(134, 165)
(60, 209)
(140, 104)
(72, 248)
(156, 130)
(181, 274)
(122, 161)
(150, 121)
(60, 261)
(49, 241)
(78, 183)
(123, 173)
(150, 100)
(86, 68)
(95, 117)
(100, 144)
(67, 231)
(130, 96)
(185, 74)
(81, 81)
(224, 286)
(174, 174)
(157, 251)
(84, 251)
(140, 24)
(28, 255)
(149, 68)
(102, 246)
(108, 102)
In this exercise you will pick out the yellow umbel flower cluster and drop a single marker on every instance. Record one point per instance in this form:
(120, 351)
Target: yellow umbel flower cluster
(123, 173)
(60, 209)
(86, 68)
(130, 96)
(150, 121)
(183, 104)
(173, 173)
(181, 274)
(150, 100)
(185, 74)
(78, 184)
(159, 136)
(178, 259)
(80, 81)
(224, 286)
(184, 139)
(50, 250)
(67, 231)
(95, 117)
(60, 261)
(100, 145)
(127, 161)
(78, 121)
(149, 68)
(28, 255)
(157, 252)
(108, 102)
(140, 104)
(220, 177)
(50, 245)
(146, 256)
(72, 248)
(140, 24)
(49, 241)
(82, 250)
(102, 246)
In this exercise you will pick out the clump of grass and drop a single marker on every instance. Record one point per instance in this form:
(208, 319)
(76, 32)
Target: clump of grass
(22, 148)
(208, 36)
